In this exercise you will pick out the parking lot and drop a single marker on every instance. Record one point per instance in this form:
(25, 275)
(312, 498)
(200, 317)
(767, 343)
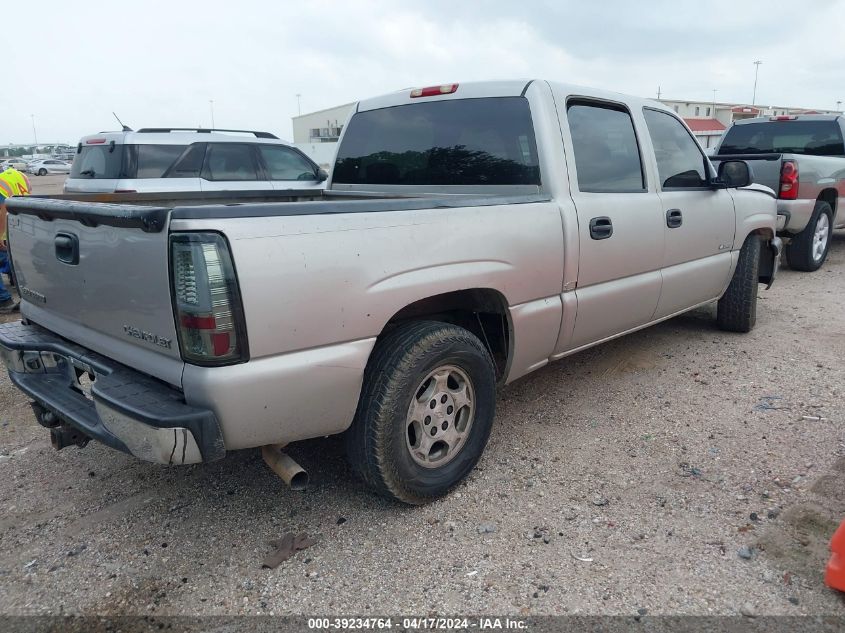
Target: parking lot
(679, 470)
(50, 184)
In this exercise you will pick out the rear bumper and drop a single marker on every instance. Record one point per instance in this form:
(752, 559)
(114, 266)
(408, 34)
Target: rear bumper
(121, 408)
(797, 213)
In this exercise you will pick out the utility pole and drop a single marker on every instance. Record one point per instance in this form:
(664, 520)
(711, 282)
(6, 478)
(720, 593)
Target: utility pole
(298, 104)
(211, 105)
(658, 93)
(34, 133)
(756, 70)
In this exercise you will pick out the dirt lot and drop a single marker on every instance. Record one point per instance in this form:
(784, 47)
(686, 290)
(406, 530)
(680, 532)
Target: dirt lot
(680, 470)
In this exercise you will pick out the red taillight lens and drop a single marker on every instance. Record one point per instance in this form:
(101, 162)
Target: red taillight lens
(433, 91)
(95, 141)
(208, 308)
(788, 180)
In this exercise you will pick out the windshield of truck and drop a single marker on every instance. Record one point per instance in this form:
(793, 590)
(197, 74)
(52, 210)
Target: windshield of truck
(456, 142)
(817, 138)
(125, 161)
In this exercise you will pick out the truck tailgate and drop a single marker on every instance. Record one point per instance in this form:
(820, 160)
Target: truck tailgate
(98, 275)
(765, 167)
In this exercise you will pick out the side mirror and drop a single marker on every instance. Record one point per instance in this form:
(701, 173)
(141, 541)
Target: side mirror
(322, 174)
(735, 173)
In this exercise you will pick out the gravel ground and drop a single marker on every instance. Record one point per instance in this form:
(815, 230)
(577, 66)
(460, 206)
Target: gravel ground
(679, 470)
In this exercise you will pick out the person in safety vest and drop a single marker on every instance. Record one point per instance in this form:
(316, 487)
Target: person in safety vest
(12, 183)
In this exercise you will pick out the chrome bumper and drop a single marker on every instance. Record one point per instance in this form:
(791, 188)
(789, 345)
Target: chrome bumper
(106, 401)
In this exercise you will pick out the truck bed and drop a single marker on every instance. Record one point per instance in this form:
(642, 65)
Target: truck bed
(149, 211)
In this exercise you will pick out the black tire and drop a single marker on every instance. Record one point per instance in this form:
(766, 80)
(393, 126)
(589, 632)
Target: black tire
(377, 444)
(800, 252)
(42, 172)
(737, 309)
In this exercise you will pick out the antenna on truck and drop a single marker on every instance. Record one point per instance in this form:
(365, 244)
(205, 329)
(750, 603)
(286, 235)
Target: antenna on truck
(126, 128)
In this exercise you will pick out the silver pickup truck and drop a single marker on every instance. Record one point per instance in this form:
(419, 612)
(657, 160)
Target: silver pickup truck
(802, 158)
(470, 234)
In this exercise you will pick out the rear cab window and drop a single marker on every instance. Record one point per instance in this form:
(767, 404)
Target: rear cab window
(486, 141)
(815, 138)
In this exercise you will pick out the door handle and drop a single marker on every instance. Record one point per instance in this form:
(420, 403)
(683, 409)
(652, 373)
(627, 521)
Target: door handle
(674, 218)
(601, 228)
(67, 248)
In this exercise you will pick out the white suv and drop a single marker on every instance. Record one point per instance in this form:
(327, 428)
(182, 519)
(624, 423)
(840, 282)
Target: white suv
(182, 159)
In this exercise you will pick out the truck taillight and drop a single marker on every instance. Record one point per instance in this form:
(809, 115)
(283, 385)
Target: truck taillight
(434, 91)
(788, 180)
(206, 301)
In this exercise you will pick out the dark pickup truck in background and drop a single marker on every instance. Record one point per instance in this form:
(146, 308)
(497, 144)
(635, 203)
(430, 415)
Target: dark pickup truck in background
(801, 158)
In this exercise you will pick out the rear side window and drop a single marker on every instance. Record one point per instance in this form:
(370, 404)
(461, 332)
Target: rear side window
(285, 164)
(817, 138)
(680, 162)
(150, 161)
(189, 164)
(230, 161)
(98, 161)
(457, 142)
(607, 157)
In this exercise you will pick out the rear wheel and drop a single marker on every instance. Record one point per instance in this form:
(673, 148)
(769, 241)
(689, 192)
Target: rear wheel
(808, 250)
(42, 172)
(426, 410)
(737, 309)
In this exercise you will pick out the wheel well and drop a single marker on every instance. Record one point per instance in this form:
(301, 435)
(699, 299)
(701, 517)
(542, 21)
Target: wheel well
(829, 196)
(482, 311)
(767, 260)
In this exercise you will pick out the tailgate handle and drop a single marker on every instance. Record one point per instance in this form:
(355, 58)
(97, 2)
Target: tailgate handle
(67, 248)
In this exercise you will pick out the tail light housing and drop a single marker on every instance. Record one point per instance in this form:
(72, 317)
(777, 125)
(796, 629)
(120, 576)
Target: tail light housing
(788, 180)
(206, 301)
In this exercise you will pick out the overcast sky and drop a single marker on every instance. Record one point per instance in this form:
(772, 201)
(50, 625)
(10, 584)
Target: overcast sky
(155, 63)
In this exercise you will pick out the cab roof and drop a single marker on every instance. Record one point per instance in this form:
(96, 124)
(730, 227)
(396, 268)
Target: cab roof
(505, 88)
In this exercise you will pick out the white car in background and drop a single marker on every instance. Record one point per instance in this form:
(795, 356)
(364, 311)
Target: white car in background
(154, 160)
(48, 166)
(15, 163)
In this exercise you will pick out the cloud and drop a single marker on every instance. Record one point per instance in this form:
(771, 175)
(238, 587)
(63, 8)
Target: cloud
(159, 63)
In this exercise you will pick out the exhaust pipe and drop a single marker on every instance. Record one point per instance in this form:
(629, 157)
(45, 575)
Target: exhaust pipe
(284, 466)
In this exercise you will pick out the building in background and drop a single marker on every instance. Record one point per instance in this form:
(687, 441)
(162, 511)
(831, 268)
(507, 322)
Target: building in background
(323, 126)
(709, 119)
(316, 133)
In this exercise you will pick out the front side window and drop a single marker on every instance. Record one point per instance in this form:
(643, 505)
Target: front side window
(285, 164)
(680, 162)
(230, 161)
(487, 141)
(607, 157)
